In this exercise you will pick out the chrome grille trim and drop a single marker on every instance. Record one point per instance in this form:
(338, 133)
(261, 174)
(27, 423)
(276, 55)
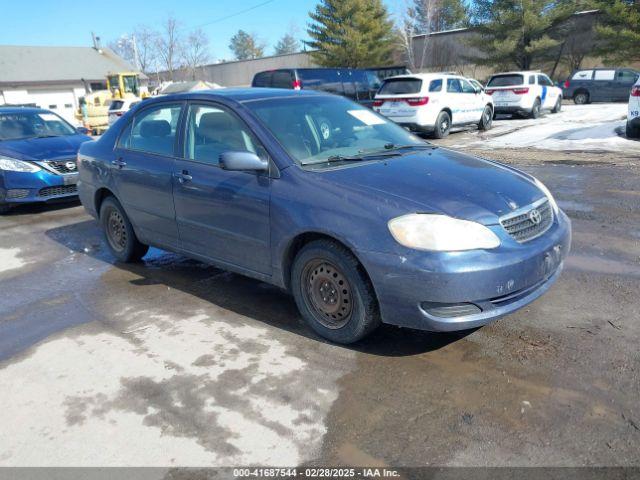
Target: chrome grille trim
(59, 166)
(521, 228)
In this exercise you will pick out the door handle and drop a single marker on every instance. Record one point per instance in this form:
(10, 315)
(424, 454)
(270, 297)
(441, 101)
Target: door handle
(183, 176)
(119, 163)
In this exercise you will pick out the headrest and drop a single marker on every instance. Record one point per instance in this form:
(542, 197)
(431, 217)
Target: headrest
(216, 121)
(155, 128)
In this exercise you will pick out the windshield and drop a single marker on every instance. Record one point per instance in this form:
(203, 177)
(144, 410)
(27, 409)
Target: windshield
(20, 125)
(317, 129)
(506, 80)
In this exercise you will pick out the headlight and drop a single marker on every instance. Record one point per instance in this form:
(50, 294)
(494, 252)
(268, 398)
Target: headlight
(547, 193)
(441, 233)
(13, 165)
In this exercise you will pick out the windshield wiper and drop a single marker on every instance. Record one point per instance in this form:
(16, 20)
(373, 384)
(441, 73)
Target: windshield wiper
(421, 146)
(359, 158)
(46, 136)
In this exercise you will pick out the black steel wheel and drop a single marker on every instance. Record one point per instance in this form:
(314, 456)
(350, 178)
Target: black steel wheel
(333, 292)
(118, 231)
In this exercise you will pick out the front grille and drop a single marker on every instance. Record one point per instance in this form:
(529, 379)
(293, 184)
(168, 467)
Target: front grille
(529, 222)
(64, 166)
(57, 191)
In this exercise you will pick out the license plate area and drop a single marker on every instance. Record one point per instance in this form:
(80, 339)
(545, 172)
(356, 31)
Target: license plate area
(71, 179)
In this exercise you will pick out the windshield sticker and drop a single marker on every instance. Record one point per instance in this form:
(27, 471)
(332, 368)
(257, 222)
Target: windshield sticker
(366, 117)
(48, 117)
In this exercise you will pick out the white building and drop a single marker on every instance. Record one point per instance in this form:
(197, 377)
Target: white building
(55, 77)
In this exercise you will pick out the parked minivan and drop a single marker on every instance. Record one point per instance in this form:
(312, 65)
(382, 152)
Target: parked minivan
(370, 225)
(356, 84)
(600, 85)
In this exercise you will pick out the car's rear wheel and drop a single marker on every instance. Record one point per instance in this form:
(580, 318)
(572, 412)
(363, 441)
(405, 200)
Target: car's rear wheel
(443, 125)
(632, 132)
(121, 239)
(581, 98)
(487, 118)
(333, 293)
(535, 110)
(558, 106)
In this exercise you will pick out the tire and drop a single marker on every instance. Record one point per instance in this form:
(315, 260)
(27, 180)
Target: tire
(333, 293)
(558, 106)
(581, 98)
(442, 126)
(487, 118)
(4, 208)
(632, 132)
(535, 110)
(119, 234)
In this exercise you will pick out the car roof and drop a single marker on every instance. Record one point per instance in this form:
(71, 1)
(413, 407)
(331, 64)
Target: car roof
(425, 76)
(521, 72)
(237, 94)
(23, 109)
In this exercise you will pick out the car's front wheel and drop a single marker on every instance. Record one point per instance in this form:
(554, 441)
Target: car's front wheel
(487, 119)
(443, 125)
(558, 106)
(333, 293)
(632, 132)
(118, 231)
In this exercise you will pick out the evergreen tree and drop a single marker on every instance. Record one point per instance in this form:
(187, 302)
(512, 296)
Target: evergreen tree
(246, 46)
(518, 32)
(287, 44)
(618, 31)
(438, 15)
(351, 33)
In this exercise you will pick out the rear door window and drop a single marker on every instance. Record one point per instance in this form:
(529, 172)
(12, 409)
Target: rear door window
(582, 75)
(154, 130)
(401, 86)
(604, 75)
(510, 80)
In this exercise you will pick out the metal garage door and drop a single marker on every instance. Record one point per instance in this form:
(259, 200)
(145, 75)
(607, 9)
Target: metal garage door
(60, 101)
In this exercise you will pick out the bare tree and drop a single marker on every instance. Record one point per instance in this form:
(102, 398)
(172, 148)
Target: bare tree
(147, 48)
(170, 45)
(196, 51)
(416, 19)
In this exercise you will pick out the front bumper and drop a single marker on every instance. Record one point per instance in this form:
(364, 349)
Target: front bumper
(495, 282)
(41, 186)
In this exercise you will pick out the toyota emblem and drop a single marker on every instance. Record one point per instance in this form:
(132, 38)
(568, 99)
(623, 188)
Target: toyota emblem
(70, 165)
(535, 217)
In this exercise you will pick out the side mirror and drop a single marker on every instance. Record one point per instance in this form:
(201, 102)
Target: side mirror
(243, 161)
(83, 130)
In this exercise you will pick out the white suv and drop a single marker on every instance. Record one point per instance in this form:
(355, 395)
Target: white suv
(633, 117)
(433, 102)
(524, 93)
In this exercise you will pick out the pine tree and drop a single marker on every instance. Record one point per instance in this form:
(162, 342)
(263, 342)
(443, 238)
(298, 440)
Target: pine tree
(518, 32)
(619, 30)
(351, 33)
(246, 46)
(287, 44)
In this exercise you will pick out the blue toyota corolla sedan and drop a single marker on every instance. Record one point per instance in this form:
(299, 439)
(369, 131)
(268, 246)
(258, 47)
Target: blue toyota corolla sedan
(37, 156)
(360, 220)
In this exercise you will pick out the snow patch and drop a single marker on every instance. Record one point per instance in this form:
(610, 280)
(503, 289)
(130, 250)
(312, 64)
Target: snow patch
(9, 259)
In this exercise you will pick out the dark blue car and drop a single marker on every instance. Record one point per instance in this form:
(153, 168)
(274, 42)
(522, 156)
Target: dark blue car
(360, 220)
(38, 152)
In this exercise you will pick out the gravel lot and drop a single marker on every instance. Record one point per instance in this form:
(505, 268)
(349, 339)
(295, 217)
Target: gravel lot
(173, 362)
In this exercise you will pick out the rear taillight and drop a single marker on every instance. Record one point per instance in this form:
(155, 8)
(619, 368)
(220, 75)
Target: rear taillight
(635, 91)
(297, 84)
(416, 102)
(520, 91)
(567, 83)
(489, 92)
(378, 103)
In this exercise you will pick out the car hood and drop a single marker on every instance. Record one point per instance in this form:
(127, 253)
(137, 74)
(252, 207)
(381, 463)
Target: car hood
(39, 149)
(443, 181)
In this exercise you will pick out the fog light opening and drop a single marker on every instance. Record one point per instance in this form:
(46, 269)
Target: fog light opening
(450, 310)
